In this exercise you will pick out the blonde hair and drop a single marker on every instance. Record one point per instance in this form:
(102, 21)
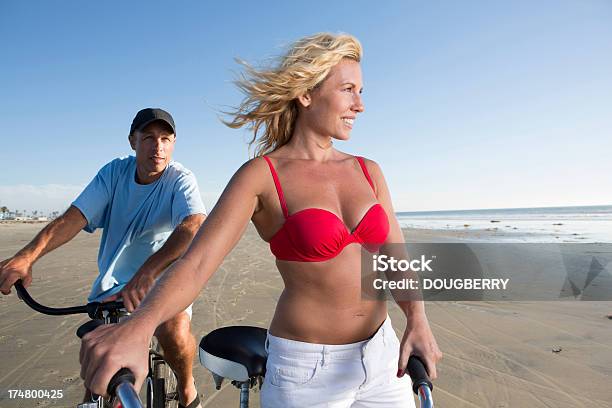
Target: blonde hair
(269, 108)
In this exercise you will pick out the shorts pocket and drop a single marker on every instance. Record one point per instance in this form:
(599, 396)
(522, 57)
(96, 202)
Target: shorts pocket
(292, 372)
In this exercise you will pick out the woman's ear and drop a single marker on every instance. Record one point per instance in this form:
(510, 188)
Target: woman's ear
(305, 99)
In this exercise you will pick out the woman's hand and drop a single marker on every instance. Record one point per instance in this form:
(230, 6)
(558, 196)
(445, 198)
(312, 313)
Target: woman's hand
(109, 348)
(419, 340)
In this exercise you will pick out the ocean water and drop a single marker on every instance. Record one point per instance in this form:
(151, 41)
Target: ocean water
(546, 224)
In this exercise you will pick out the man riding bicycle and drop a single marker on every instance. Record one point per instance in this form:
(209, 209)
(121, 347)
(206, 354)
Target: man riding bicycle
(149, 208)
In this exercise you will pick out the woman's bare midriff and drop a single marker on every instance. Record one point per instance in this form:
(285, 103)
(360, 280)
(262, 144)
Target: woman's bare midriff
(322, 301)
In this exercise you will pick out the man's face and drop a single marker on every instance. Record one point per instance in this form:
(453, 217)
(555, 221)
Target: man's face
(153, 146)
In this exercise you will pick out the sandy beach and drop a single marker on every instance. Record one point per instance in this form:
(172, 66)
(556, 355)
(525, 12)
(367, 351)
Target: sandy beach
(496, 354)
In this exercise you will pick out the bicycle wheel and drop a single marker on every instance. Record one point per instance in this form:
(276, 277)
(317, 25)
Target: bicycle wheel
(165, 394)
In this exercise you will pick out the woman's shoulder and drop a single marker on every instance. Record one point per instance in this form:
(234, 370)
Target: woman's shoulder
(374, 172)
(253, 168)
(352, 157)
(371, 165)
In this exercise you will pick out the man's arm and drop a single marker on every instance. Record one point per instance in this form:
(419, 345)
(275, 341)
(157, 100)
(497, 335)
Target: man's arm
(105, 350)
(178, 242)
(55, 234)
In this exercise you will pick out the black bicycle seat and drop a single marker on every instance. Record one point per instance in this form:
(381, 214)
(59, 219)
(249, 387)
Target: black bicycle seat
(235, 352)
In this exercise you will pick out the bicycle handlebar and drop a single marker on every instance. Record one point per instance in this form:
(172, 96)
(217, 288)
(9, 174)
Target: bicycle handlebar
(121, 386)
(122, 383)
(92, 309)
(421, 385)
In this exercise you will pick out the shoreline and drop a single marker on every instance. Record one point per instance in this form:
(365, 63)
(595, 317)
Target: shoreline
(474, 232)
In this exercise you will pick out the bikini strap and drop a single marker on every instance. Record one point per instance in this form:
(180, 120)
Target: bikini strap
(365, 172)
(279, 189)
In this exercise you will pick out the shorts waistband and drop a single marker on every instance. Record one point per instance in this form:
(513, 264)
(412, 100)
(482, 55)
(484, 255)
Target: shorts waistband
(280, 346)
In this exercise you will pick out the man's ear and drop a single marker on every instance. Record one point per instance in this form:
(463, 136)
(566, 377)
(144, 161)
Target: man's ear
(305, 99)
(132, 140)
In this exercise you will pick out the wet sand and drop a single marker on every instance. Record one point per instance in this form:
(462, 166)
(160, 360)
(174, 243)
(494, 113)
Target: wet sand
(496, 354)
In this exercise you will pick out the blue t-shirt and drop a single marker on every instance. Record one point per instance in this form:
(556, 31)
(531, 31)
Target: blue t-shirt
(137, 219)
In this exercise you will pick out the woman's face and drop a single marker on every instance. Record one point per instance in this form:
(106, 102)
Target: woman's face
(335, 103)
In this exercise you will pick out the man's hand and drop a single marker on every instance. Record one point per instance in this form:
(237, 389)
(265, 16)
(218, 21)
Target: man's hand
(134, 292)
(137, 288)
(13, 269)
(109, 348)
(419, 340)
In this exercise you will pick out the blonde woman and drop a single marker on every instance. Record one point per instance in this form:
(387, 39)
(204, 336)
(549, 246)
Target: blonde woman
(317, 207)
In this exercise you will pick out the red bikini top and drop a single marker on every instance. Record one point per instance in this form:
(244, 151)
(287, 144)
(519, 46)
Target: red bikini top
(315, 234)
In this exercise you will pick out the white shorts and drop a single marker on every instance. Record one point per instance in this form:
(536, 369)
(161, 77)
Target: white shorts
(357, 375)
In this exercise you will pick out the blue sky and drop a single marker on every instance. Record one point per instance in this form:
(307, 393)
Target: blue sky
(470, 104)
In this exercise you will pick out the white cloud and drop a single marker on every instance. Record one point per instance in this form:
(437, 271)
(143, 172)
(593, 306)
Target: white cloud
(45, 198)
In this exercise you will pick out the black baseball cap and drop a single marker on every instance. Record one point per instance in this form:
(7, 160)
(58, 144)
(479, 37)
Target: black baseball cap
(149, 115)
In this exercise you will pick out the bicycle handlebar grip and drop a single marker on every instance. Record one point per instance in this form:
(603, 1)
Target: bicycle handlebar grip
(121, 376)
(87, 327)
(418, 373)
